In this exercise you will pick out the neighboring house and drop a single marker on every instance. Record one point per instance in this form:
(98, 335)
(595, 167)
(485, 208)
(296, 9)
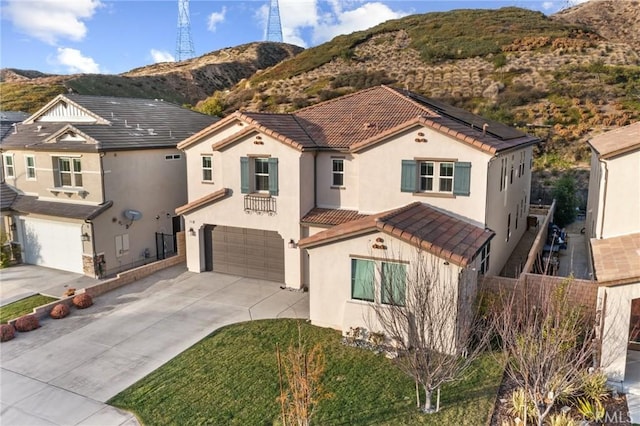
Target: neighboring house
(296, 197)
(614, 183)
(613, 227)
(8, 120)
(97, 178)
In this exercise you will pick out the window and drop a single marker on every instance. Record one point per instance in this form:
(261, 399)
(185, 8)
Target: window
(508, 227)
(259, 175)
(394, 277)
(122, 245)
(207, 168)
(172, 157)
(484, 258)
(31, 167)
(337, 172)
(447, 177)
(362, 280)
(70, 172)
(392, 281)
(9, 168)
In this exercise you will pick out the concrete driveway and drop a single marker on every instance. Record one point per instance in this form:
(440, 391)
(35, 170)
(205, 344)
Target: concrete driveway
(63, 372)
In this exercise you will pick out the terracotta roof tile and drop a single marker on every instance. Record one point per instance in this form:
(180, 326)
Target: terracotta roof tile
(330, 217)
(616, 260)
(417, 224)
(617, 141)
(203, 201)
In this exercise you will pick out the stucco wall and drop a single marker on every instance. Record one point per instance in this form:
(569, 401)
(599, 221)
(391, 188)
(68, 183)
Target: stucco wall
(46, 166)
(143, 181)
(616, 302)
(621, 200)
(329, 196)
(595, 194)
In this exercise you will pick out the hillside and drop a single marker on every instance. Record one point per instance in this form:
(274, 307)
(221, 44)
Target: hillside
(184, 82)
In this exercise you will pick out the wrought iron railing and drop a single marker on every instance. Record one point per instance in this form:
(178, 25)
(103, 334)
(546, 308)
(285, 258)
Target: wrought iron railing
(260, 204)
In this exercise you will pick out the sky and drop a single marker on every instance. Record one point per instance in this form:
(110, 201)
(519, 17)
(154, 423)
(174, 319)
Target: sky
(115, 36)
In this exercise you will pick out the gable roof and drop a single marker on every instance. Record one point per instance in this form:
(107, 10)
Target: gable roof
(417, 224)
(359, 120)
(616, 260)
(618, 141)
(122, 124)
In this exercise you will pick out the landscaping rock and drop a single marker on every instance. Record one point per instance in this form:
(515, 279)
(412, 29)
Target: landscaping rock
(27, 323)
(7, 332)
(82, 301)
(59, 311)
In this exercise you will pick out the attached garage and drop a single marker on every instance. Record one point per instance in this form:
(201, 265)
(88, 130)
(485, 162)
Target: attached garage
(52, 244)
(251, 253)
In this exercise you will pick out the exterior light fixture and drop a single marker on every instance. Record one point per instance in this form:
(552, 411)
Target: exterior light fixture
(85, 237)
(292, 244)
(192, 232)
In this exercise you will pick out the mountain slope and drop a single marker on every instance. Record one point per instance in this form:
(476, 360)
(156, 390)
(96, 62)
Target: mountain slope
(184, 82)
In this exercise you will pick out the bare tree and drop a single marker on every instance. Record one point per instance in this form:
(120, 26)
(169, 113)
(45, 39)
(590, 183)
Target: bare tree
(427, 310)
(300, 372)
(549, 342)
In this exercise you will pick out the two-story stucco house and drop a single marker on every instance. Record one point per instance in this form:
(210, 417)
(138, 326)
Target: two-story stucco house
(301, 198)
(97, 178)
(613, 228)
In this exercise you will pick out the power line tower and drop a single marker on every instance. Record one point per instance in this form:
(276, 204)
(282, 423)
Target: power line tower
(184, 43)
(274, 27)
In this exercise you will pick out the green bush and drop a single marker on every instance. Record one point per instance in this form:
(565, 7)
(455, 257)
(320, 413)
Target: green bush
(564, 193)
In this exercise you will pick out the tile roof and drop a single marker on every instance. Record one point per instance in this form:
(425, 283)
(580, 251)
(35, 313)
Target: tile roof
(29, 204)
(203, 201)
(330, 217)
(359, 120)
(132, 123)
(8, 118)
(617, 141)
(7, 196)
(418, 224)
(616, 260)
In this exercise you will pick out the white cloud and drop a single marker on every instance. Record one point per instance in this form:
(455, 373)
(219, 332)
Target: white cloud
(161, 56)
(548, 5)
(215, 18)
(50, 20)
(75, 62)
(348, 21)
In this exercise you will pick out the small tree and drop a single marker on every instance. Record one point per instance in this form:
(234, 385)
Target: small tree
(300, 373)
(428, 313)
(213, 105)
(564, 192)
(548, 341)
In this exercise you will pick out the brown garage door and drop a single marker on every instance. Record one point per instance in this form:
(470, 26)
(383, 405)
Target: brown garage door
(252, 253)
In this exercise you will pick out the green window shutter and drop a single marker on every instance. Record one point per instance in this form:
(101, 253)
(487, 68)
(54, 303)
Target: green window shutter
(462, 178)
(362, 280)
(244, 175)
(409, 178)
(273, 176)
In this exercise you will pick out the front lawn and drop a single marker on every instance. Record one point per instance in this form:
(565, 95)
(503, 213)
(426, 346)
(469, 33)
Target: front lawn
(231, 377)
(23, 307)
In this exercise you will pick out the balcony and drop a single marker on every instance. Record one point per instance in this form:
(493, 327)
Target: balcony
(257, 203)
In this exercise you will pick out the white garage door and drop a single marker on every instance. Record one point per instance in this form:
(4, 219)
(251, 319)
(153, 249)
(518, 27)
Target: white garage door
(52, 244)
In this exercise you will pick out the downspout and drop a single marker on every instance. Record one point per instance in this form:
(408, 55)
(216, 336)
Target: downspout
(315, 179)
(604, 195)
(104, 198)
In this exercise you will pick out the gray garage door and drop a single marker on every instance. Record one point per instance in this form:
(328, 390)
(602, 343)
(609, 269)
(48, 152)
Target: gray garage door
(252, 253)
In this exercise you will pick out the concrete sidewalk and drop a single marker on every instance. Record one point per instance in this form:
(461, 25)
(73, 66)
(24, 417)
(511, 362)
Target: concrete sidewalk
(62, 373)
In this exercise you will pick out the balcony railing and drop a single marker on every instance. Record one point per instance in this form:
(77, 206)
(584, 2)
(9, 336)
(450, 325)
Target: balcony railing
(260, 204)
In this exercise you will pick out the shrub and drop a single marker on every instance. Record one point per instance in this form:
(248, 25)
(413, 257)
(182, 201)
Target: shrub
(7, 332)
(561, 419)
(592, 411)
(27, 323)
(59, 311)
(520, 406)
(594, 386)
(82, 301)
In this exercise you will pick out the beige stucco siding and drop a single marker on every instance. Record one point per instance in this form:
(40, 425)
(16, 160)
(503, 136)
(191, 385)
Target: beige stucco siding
(292, 182)
(46, 179)
(381, 168)
(596, 192)
(615, 329)
(509, 206)
(330, 196)
(330, 302)
(143, 181)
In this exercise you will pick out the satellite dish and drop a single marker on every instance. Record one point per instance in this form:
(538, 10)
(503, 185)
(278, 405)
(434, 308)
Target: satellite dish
(132, 214)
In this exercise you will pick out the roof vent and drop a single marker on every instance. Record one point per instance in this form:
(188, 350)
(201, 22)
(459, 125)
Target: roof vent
(38, 128)
(151, 132)
(368, 125)
(484, 128)
(138, 127)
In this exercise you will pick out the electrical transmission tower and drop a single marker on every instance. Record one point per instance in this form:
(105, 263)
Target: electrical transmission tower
(274, 27)
(184, 43)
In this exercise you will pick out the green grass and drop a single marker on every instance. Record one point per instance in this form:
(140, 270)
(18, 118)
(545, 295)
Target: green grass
(23, 306)
(230, 378)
